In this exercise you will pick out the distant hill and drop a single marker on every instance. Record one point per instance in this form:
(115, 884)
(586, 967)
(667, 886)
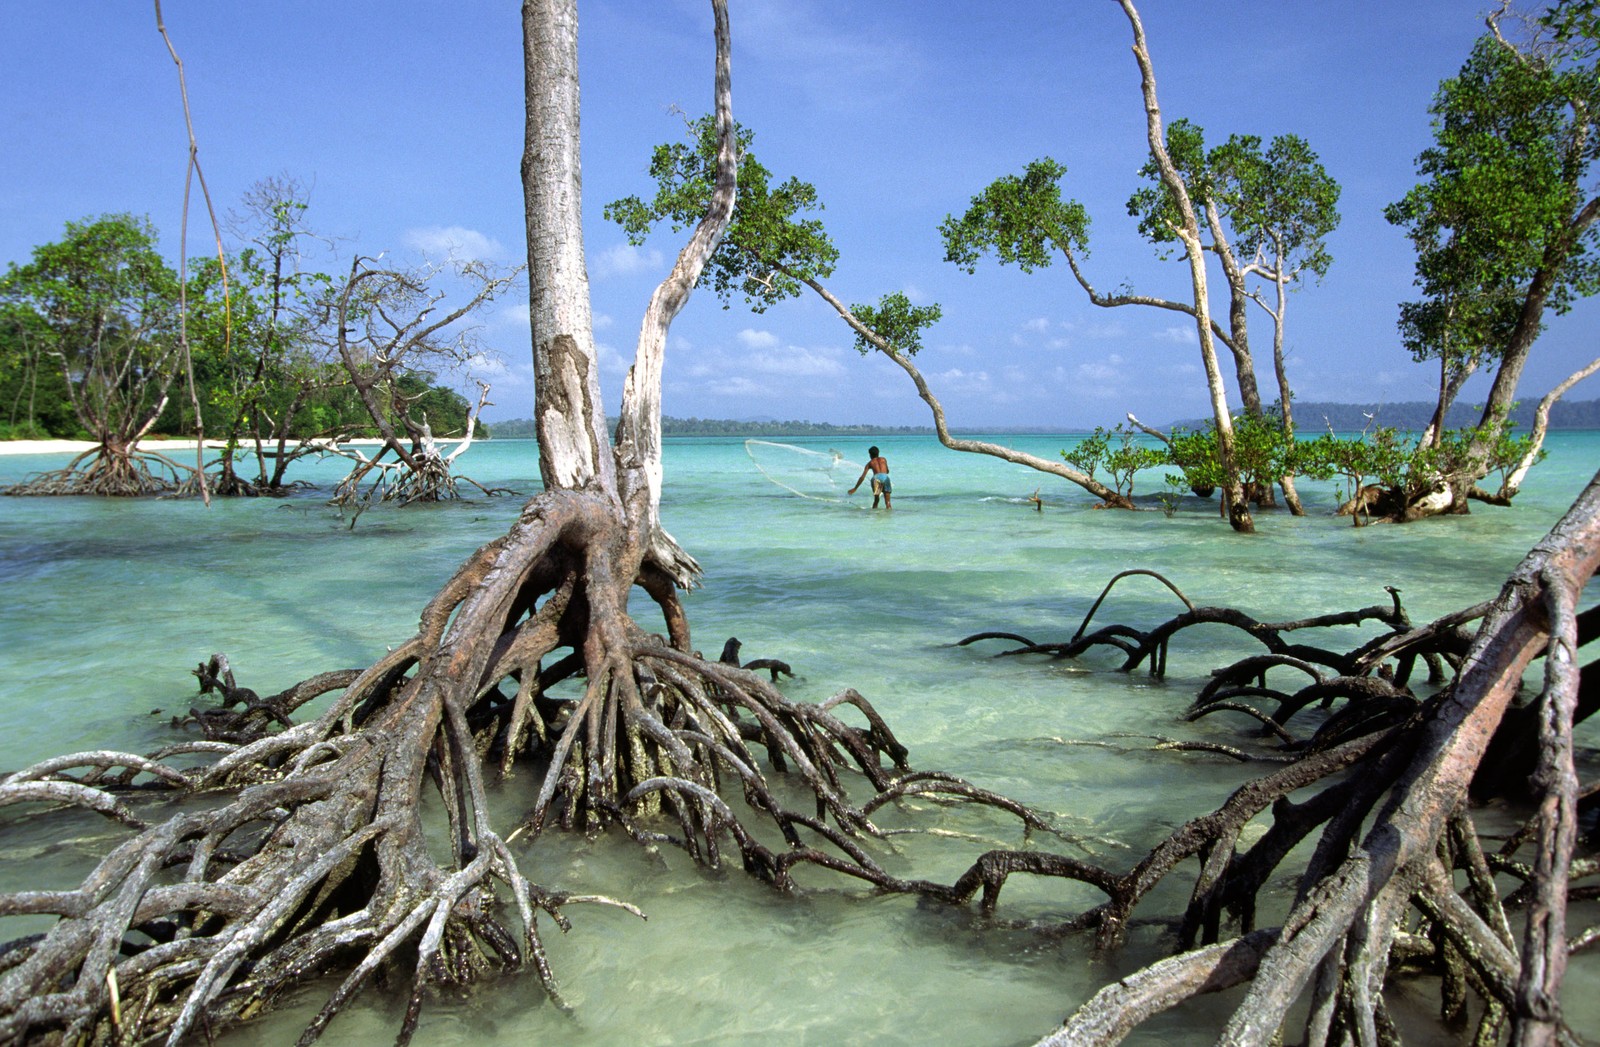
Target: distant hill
(1311, 416)
(524, 427)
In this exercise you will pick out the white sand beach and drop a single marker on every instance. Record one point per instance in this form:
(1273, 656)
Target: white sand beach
(160, 446)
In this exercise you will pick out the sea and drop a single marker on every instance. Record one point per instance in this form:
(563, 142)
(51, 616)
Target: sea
(109, 604)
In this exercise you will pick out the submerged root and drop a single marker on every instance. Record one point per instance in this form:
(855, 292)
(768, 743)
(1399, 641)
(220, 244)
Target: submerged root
(314, 856)
(424, 476)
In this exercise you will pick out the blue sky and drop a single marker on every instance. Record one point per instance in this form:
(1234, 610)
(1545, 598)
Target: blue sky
(404, 119)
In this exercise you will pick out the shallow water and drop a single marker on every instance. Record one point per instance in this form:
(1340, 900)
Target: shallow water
(109, 604)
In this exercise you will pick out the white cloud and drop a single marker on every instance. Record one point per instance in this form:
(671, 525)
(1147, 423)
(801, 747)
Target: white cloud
(512, 316)
(609, 360)
(1103, 330)
(958, 380)
(624, 260)
(488, 366)
(796, 362)
(453, 242)
(1177, 335)
(736, 385)
(1038, 325)
(757, 339)
(814, 54)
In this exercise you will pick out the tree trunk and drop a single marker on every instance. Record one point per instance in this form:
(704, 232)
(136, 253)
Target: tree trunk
(1244, 365)
(1291, 496)
(574, 447)
(1541, 424)
(639, 429)
(1234, 503)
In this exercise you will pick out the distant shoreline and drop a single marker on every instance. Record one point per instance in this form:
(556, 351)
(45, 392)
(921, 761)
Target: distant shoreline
(1310, 417)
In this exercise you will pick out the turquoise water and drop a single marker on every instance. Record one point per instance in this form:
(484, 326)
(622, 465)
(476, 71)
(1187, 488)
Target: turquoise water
(109, 604)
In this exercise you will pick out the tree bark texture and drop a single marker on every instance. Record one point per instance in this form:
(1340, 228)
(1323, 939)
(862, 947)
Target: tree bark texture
(574, 447)
(1234, 503)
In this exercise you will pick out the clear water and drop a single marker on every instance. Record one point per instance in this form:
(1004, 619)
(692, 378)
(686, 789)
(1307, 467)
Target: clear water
(109, 604)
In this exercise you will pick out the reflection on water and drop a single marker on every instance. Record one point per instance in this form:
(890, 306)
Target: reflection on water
(109, 604)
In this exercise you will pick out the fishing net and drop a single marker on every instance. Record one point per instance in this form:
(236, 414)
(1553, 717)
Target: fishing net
(820, 475)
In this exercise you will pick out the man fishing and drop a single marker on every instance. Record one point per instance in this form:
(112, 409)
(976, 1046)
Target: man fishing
(881, 487)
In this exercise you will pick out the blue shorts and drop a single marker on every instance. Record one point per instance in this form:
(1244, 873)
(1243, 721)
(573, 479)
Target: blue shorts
(881, 484)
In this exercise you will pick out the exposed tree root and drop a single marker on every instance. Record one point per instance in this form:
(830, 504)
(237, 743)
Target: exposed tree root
(425, 475)
(320, 857)
(1379, 893)
(123, 472)
(1370, 680)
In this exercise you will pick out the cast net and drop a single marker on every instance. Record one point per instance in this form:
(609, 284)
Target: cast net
(821, 475)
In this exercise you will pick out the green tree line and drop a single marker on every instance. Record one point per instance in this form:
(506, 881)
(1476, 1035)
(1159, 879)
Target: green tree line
(102, 340)
(102, 296)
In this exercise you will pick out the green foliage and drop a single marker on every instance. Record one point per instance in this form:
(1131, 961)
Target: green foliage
(1153, 204)
(1263, 452)
(34, 399)
(1280, 204)
(1500, 213)
(899, 323)
(1406, 466)
(1119, 452)
(101, 305)
(771, 248)
(1194, 453)
(89, 338)
(1021, 219)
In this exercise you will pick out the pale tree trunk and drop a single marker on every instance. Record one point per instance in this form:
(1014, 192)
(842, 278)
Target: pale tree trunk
(1234, 504)
(1244, 365)
(1531, 320)
(1291, 496)
(1541, 423)
(574, 447)
(639, 429)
